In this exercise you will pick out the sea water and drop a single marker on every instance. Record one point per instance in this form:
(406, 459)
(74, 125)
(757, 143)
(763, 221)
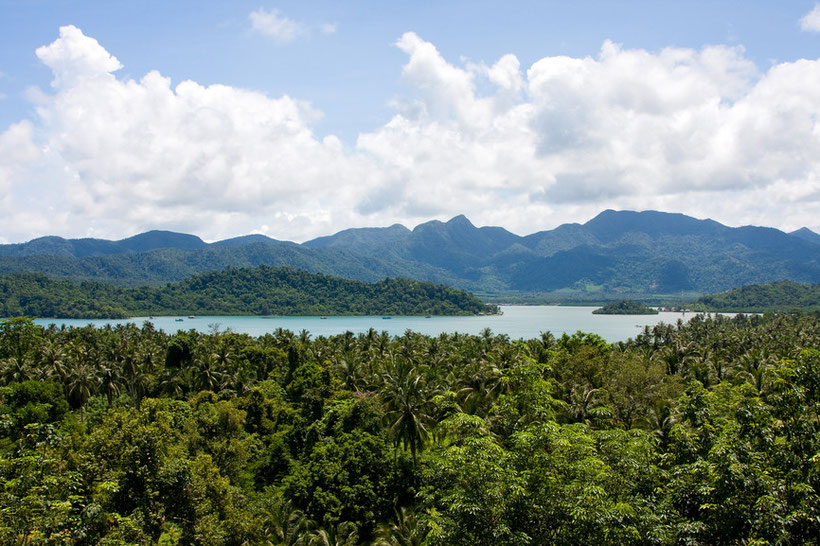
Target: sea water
(516, 321)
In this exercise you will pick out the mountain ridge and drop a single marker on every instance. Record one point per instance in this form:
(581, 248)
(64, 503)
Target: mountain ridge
(613, 253)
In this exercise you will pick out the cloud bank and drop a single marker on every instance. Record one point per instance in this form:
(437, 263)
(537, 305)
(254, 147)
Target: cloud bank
(702, 132)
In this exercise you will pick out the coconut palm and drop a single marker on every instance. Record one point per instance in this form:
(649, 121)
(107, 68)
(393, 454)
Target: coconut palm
(408, 405)
(15, 370)
(82, 384)
(109, 383)
(406, 530)
(343, 534)
(284, 525)
(52, 362)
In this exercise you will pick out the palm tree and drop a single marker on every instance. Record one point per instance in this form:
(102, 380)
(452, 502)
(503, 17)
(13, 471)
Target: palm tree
(343, 534)
(208, 378)
(587, 404)
(82, 384)
(752, 367)
(348, 368)
(283, 524)
(408, 406)
(477, 386)
(660, 420)
(224, 356)
(406, 530)
(137, 383)
(239, 378)
(172, 383)
(110, 382)
(15, 370)
(52, 362)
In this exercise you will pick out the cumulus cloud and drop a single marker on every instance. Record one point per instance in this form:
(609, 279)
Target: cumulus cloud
(134, 153)
(702, 132)
(17, 151)
(811, 21)
(75, 58)
(623, 129)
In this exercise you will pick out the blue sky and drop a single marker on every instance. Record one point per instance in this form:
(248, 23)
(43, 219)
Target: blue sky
(303, 118)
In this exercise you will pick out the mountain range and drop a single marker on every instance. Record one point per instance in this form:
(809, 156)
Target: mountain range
(615, 253)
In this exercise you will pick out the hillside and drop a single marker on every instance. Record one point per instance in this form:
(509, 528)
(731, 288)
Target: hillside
(260, 291)
(615, 255)
(806, 234)
(784, 295)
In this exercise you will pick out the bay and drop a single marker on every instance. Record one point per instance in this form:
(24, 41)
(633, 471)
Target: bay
(517, 321)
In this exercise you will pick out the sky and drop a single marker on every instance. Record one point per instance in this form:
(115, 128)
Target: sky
(300, 119)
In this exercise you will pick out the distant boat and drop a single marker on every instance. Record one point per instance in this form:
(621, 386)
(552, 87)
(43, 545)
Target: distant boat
(179, 320)
(191, 316)
(427, 316)
(386, 318)
(323, 317)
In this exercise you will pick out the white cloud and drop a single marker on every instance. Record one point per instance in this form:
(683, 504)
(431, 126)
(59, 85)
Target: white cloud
(696, 131)
(75, 57)
(626, 129)
(276, 26)
(811, 21)
(17, 150)
(282, 29)
(126, 154)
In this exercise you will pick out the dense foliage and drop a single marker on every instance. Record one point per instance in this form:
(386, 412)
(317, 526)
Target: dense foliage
(259, 291)
(699, 433)
(625, 307)
(783, 295)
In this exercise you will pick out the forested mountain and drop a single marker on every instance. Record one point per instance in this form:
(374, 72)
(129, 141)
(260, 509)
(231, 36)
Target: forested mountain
(806, 234)
(261, 291)
(79, 248)
(613, 254)
(784, 295)
(170, 264)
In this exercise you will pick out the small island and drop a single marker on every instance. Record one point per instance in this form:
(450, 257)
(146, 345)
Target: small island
(264, 290)
(625, 307)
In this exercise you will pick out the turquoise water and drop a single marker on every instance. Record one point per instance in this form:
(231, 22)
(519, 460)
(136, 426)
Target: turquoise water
(516, 322)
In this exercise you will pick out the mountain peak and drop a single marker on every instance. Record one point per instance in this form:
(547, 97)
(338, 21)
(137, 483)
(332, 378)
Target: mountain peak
(156, 238)
(460, 220)
(611, 223)
(806, 234)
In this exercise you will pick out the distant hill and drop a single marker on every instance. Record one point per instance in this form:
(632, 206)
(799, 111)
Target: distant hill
(777, 296)
(612, 256)
(80, 248)
(259, 291)
(171, 265)
(806, 234)
(247, 240)
(615, 252)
